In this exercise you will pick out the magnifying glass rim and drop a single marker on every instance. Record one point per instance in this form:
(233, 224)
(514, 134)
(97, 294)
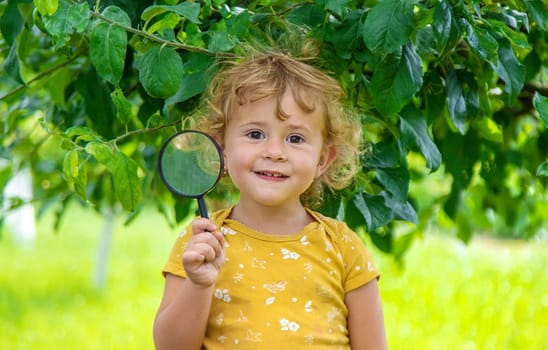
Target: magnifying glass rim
(160, 168)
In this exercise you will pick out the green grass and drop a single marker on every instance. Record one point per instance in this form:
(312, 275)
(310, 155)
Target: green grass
(488, 295)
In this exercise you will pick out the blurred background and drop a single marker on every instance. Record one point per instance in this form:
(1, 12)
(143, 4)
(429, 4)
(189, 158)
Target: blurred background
(72, 290)
(451, 196)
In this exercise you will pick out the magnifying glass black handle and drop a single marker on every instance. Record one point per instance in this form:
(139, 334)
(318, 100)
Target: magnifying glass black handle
(202, 207)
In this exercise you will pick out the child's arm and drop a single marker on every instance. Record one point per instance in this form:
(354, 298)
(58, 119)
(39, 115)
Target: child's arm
(182, 317)
(365, 318)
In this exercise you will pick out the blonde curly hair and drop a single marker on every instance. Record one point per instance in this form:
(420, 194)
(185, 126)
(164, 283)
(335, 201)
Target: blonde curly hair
(271, 74)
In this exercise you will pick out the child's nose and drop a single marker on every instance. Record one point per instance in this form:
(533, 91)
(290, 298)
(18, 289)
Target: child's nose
(274, 151)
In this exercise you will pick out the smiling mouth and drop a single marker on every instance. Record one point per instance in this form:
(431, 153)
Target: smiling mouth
(271, 174)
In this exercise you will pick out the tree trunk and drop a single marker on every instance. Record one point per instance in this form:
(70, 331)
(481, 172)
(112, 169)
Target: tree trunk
(101, 267)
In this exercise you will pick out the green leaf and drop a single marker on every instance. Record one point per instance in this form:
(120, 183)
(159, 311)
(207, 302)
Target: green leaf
(67, 20)
(427, 45)
(97, 102)
(123, 106)
(308, 14)
(188, 10)
(481, 42)
(401, 208)
(81, 133)
(415, 136)
(396, 80)
(70, 165)
(127, 186)
(11, 22)
(460, 153)
(182, 209)
(108, 45)
(446, 27)
(75, 173)
(373, 209)
(337, 6)
(195, 77)
(385, 154)
(388, 26)
(46, 7)
(509, 69)
(465, 232)
(541, 105)
(221, 41)
(543, 169)
(154, 120)
(101, 152)
(166, 25)
(239, 24)
(402, 245)
(538, 12)
(488, 129)
(395, 180)
(11, 64)
(434, 96)
(456, 101)
(161, 71)
(346, 36)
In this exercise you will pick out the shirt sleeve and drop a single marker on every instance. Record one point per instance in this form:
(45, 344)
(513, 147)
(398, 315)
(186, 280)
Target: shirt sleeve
(174, 263)
(360, 268)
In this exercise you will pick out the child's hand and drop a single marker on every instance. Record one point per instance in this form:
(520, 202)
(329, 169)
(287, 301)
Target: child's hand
(204, 254)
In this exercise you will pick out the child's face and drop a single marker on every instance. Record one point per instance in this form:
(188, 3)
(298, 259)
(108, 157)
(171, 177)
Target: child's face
(274, 161)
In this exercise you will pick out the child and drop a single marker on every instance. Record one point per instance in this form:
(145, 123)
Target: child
(268, 272)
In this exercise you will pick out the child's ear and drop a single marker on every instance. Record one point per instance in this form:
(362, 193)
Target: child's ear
(329, 153)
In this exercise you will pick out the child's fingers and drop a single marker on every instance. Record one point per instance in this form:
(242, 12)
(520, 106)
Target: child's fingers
(208, 244)
(203, 225)
(193, 258)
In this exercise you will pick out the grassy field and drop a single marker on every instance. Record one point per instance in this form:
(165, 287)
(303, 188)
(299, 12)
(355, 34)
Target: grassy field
(488, 295)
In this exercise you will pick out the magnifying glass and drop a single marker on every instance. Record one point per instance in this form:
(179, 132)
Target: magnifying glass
(191, 164)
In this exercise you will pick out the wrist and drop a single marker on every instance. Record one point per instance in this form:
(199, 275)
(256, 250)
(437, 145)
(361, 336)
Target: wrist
(199, 287)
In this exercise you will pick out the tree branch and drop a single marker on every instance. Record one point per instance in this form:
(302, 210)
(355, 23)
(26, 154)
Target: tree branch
(41, 75)
(143, 131)
(152, 37)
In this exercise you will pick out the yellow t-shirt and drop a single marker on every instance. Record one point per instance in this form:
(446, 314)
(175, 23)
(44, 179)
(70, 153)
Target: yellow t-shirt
(282, 291)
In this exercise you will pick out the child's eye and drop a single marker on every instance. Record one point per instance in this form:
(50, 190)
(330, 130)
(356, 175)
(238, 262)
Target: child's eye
(295, 139)
(255, 134)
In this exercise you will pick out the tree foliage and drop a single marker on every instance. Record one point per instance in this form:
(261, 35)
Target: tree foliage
(90, 89)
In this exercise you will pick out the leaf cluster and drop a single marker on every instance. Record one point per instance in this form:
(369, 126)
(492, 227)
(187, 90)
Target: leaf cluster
(91, 88)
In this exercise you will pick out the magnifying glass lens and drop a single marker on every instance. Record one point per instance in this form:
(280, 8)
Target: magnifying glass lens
(190, 163)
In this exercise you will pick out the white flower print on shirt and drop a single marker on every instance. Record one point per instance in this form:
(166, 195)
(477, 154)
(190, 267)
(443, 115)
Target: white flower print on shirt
(255, 337)
(309, 339)
(219, 319)
(287, 325)
(242, 317)
(287, 254)
(227, 231)
(258, 264)
(346, 238)
(247, 247)
(308, 306)
(333, 314)
(275, 287)
(222, 295)
(304, 240)
(238, 277)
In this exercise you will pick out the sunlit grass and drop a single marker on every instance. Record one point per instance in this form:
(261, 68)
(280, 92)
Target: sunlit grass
(488, 295)
(48, 297)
